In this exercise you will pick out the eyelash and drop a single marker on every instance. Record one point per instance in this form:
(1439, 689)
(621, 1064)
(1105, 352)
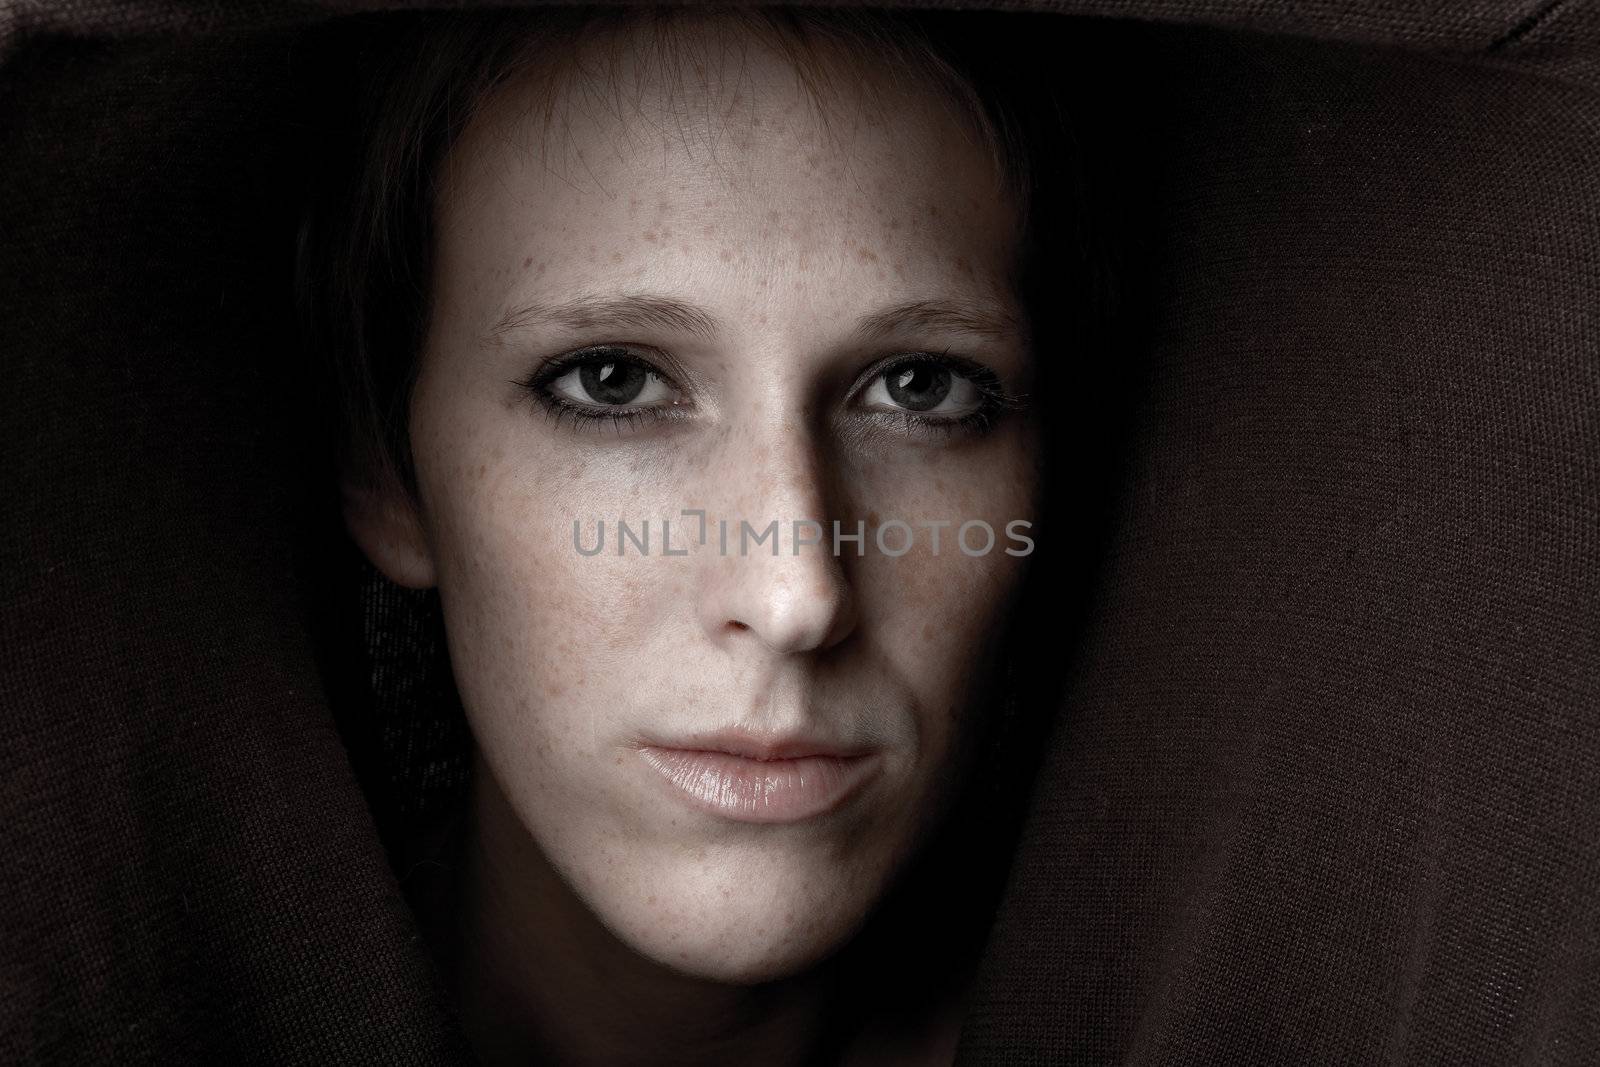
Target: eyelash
(592, 417)
(994, 400)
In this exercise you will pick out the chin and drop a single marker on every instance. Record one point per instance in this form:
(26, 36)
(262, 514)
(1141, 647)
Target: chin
(743, 920)
(748, 961)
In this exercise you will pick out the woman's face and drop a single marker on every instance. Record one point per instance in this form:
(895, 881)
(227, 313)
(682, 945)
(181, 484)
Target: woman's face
(681, 298)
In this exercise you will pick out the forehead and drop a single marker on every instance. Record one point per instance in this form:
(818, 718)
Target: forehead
(643, 149)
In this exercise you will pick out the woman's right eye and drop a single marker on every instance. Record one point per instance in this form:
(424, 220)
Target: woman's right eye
(609, 380)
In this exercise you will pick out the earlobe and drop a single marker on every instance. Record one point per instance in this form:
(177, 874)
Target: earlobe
(386, 526)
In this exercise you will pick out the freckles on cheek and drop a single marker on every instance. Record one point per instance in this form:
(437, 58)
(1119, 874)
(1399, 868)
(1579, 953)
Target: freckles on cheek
(502, 601)
(551, 639)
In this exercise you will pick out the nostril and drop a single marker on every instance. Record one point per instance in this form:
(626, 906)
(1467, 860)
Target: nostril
(737, 625)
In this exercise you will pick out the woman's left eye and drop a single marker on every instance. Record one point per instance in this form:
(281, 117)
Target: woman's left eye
(925, 387)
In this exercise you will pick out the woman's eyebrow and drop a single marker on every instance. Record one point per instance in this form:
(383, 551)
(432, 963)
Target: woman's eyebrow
(638, 312)
(959, 316)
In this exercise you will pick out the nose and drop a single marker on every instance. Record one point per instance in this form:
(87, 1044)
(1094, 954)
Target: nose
(795, 600)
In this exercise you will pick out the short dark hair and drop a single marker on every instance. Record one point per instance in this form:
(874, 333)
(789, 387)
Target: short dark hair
(363, 275)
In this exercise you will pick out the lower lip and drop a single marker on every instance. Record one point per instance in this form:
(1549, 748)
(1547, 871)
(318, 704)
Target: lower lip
(767, 791)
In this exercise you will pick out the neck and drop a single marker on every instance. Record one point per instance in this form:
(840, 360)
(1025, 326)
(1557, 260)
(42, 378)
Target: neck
(537, 974)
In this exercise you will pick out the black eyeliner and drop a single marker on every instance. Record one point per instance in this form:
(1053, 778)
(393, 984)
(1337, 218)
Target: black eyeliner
(535, 385)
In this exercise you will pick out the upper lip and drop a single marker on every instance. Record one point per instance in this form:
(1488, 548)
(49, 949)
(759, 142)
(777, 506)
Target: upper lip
(753, 746)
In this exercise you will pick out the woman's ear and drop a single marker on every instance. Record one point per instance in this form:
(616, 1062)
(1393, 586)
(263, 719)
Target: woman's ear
(384, 521)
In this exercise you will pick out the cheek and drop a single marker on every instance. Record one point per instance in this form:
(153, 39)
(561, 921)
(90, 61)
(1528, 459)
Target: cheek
(935, 612)
(545, 642)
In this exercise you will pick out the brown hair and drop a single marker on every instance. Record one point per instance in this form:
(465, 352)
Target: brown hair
(365, 246)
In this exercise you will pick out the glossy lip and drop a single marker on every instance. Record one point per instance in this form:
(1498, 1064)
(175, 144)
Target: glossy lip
(760, 780)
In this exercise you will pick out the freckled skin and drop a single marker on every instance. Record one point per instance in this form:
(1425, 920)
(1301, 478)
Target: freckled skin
(562, 659)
